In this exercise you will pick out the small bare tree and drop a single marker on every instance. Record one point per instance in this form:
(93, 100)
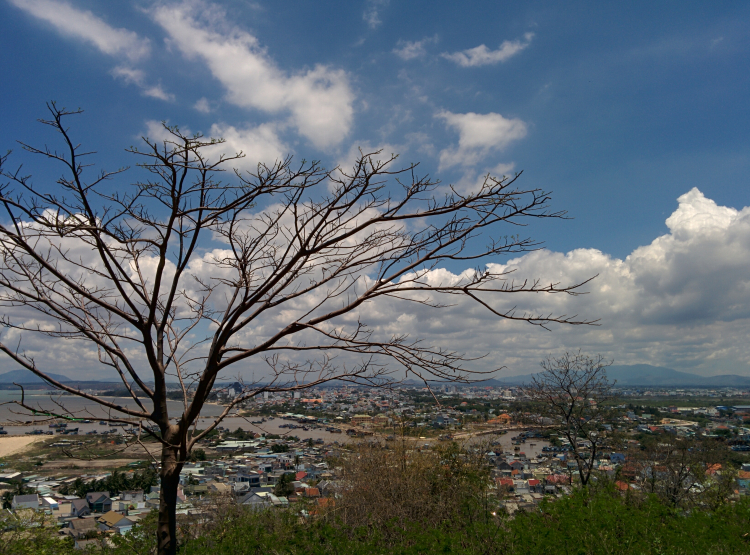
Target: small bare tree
(182, 276)
(572, 392)
(684, 472)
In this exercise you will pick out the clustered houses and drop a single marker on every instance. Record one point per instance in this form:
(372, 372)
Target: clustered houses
(95, 515)
(248, 472)
(522, 482)
(731, 423)
(651, 449)
(259, 469)
(378, 407)
(273, 471)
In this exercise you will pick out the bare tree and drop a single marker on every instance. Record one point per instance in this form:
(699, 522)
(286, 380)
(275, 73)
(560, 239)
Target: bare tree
(182, 276)
(683, 471)
(413, 485)
(572, 391)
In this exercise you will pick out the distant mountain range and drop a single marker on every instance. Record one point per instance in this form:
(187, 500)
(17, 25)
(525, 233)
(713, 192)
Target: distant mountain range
(645, 374)
(26, 377)
(628, 376)
(649, 376)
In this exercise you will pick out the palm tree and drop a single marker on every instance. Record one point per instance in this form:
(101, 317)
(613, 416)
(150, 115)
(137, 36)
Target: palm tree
(17, 488)
(284, 486)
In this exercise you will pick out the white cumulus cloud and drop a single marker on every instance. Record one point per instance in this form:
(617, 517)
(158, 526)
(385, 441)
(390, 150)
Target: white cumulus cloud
(84, 25)
(319, 100)
(482, 56)
(260, 144)
(478, 135)
(681, 301)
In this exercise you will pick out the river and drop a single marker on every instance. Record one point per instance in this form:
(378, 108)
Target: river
(16, 421)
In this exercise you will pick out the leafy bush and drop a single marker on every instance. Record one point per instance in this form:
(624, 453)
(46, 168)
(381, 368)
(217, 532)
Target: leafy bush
(197, 455)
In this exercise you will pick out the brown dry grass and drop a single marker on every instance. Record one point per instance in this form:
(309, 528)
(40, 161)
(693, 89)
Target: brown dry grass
(402, 485)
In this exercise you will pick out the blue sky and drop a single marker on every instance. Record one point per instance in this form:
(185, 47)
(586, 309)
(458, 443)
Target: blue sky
(620, 109)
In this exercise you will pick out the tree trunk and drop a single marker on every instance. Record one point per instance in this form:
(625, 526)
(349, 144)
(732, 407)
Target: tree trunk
(170, 479)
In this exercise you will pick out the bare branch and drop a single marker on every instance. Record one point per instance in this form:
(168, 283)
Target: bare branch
(191, 270)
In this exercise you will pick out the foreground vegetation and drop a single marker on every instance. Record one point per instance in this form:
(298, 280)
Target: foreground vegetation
(399, 501)
(601, 522)
(587, 523)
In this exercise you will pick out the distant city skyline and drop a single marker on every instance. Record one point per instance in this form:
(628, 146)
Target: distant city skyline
(634, 116)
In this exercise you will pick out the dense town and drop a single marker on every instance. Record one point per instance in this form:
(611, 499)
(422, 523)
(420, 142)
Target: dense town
(264, 464)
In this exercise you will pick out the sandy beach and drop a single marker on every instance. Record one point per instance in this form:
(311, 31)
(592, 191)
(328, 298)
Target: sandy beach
(16, 444)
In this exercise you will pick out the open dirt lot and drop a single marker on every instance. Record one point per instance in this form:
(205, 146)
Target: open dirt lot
(81, 464)
(12, 445)
(88, 459)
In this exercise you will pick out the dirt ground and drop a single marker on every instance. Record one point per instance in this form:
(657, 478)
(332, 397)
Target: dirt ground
(119, 458)
(13, 445)
(25, 449)
(86, 465)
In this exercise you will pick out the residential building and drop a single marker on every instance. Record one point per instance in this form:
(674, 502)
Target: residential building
(99, 501)
(26, 502)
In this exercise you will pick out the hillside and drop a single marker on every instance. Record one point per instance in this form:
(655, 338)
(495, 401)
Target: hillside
(647, 375)
(26, 377)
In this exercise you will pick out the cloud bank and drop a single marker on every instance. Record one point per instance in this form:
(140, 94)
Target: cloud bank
(680, 301)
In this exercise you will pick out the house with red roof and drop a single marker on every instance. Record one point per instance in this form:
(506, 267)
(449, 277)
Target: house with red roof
(536, 486)
(557, 479)
(323, 504)
(505, 485)
(311, 493)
